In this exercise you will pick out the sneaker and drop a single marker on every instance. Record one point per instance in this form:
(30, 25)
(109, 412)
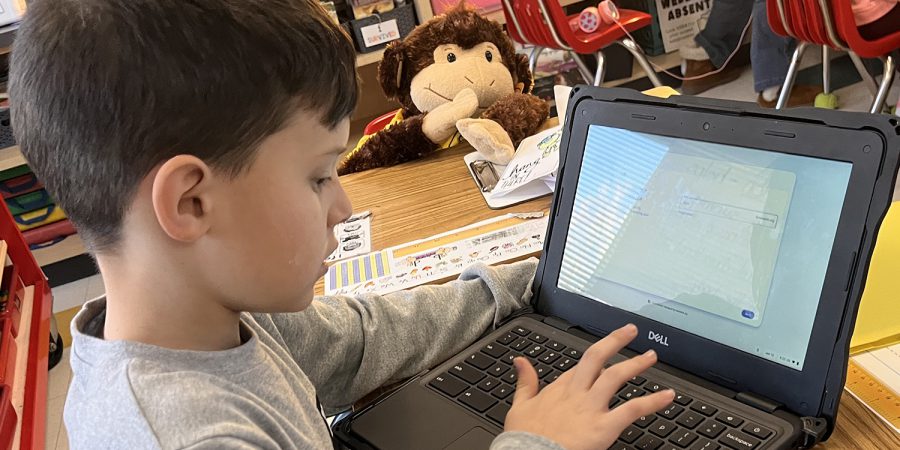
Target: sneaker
(694, 68)
(801, 95)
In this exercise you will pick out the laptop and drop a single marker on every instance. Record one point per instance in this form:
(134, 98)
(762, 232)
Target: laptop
(737, 239)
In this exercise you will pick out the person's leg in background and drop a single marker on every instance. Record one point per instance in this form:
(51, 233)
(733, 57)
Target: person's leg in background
(770, 56)
(718, 39)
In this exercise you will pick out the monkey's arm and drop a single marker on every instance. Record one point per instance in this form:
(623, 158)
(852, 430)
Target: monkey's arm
(402, 142)
(521, 115)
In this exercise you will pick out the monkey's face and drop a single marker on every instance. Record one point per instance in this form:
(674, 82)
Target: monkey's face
(480, 68)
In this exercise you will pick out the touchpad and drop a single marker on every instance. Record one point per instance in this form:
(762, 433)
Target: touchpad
(476, 438)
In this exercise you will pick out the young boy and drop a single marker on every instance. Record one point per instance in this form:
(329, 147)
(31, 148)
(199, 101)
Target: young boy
(194, 145)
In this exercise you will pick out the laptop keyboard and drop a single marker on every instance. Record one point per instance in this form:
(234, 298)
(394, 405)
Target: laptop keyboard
(484, 382)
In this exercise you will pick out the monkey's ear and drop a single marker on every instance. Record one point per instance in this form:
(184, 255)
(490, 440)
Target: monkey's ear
(390, 69)
(523, 74)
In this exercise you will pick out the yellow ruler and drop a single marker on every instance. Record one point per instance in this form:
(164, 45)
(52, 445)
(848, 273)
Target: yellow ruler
(875, 395)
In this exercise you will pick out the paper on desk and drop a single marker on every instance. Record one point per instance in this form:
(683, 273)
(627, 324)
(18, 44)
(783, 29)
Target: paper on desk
(536, 158)
(877, 324)
(884, 367)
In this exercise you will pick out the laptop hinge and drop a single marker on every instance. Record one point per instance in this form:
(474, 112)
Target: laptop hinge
(814, 429)
(757, 401)
(558, 323)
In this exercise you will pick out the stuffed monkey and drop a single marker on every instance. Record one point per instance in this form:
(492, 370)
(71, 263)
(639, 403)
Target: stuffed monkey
(455, 75)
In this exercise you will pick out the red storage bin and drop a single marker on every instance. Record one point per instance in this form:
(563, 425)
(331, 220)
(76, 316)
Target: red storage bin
(20, 185)
(7, 352)
(32, 420)
(8, 418)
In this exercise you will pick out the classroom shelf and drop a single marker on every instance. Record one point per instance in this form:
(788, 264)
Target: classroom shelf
(364, 59)
(11, 157)
(70, 247)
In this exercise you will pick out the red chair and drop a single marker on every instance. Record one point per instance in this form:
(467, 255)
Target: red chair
(830, 24)
(544, 24)
(377, 124)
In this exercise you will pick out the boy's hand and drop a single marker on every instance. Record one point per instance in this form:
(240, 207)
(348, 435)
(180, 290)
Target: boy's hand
(574, 410)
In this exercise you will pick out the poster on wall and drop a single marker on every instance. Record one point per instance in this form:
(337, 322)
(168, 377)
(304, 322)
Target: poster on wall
(681, 20)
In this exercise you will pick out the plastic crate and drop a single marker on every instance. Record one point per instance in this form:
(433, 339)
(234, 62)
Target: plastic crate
(32, 422)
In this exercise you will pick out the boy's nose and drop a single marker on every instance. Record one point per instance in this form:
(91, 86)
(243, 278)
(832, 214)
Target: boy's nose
(341, 210)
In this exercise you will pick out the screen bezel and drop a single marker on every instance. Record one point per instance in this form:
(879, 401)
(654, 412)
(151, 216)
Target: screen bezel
(801, 391)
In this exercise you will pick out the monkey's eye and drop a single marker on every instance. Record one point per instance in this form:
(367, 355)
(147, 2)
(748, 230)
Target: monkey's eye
(451, 57)
(489, 56)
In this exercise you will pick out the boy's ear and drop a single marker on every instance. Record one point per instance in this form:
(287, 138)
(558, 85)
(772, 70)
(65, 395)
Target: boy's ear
(523, 74)
(390, 69)
(181, 197)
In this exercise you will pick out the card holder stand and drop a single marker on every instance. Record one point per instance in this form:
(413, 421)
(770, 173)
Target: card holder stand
(486, 176)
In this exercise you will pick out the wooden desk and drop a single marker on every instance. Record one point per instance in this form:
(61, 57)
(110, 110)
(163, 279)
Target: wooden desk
(437, 194)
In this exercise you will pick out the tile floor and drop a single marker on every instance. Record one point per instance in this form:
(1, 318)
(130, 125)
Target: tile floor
(69, 297)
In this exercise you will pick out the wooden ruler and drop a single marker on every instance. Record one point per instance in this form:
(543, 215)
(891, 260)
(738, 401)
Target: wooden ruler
(875, 395)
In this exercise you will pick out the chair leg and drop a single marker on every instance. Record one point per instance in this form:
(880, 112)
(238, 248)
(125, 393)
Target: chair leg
(601, 69)
(826, 70)
(791, 75)
(870, 83)
(886, 82)
(533, 58)
(641, 58)
(583, 68)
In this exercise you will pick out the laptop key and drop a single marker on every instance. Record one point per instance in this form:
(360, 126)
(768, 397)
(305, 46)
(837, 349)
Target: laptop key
(630, 434)
(535, 351)
(757, 430)
(510, 377)
(572, 353)
(565, 364)
(711, 429)
(683, 438)
(488, 384)
(630, 392)
(507, 339)
(644, 421)
(668, 447)
(621, 446)
(671, 412)
(552, 377)
(730, 419)
(521, 331)
(479, 360)
(549, 357)
(705, 444)
(520, 344)
(503, 391)
(654, 387)
(637, 380)
(613, 402)
(509, 357)
(689, 420)
(739, 440)
(477, 400)
(553, 345)
(498, 369)
(662, 428)
(703, 408)
(448, 384)
(493, 350)
(648, 442)
(539, 338)
(542, 370)
(682, 399)
(467, 372)
(498, 413)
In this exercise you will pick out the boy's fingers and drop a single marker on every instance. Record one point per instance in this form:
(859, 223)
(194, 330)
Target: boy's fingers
(527, 383)
(623, 415)
(591, 365)
(614, 377)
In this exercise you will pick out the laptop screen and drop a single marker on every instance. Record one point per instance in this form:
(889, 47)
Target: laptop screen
(728, 243)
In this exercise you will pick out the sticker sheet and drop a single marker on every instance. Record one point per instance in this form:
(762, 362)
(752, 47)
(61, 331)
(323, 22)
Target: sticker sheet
(438, 257)
(354, 237)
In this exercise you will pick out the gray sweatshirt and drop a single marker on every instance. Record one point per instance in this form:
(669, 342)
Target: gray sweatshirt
(262, 394)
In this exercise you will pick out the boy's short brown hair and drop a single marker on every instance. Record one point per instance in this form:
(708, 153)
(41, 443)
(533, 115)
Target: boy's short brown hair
(102, 91)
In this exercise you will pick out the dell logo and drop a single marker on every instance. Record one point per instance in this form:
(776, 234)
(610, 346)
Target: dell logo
(658, 338)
